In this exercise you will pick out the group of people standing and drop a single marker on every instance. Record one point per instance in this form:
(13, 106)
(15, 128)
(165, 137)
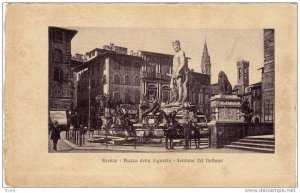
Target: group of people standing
(187, 130)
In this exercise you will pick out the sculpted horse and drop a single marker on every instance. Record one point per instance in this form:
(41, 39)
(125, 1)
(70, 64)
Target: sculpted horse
(173, 131)
(148, 109)
(122, 121)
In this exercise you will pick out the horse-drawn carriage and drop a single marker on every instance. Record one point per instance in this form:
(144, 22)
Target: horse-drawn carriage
(187, 126)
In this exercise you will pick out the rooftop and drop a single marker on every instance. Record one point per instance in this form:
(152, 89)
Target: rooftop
(71, 31)
(156, 53)
(99, 55)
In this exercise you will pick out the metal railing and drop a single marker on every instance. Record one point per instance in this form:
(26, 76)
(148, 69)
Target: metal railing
(76, 136)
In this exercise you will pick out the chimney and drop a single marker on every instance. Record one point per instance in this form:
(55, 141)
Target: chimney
(112, 46)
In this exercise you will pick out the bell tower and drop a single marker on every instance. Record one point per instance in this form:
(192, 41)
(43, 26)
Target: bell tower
(205, 61)
(242, 75)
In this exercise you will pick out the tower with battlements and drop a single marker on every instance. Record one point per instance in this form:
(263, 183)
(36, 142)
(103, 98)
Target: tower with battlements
(242, 75)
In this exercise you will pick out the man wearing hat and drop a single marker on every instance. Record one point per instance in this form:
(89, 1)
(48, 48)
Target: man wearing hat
(55, 134)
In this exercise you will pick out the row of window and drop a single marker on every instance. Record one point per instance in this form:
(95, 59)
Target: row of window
(245, 73)
(256, 93)
(57, 36)
(116, 80)
(57, 55)
(164, 69)
(94, 69)
(58, 91)
(127, 66)
(59, 75)
(127, 81)
(84, 85)
(256, 107)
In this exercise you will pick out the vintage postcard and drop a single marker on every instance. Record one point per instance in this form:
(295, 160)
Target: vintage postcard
(150, 95)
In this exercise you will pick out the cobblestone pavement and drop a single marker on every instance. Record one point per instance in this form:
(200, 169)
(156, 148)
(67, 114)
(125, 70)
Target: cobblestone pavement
(61, 146)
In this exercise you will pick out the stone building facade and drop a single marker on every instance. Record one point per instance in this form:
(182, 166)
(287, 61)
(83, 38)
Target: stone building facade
(108, 71)
(268, 78)
(200, 92)
(76, 61)
(253, 94)
(121, 76)
(155, 80)
(60, 77)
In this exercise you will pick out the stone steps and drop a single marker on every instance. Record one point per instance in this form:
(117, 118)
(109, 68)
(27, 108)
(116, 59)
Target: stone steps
(256, 141)
(259, 145)
(254, 149)
(264, 144)
(263, 137)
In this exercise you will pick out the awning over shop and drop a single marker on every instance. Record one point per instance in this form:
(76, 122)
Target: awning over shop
(59, 116)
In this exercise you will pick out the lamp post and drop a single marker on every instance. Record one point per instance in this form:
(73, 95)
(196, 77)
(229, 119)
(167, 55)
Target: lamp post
(98, 111)
(89, 120)
(69, 115)
(77, 126)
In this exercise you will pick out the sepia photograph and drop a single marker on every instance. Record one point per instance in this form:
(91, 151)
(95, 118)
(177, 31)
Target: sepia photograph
(161, 90)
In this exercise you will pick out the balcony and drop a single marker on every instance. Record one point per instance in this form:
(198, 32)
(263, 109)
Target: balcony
(145, 74)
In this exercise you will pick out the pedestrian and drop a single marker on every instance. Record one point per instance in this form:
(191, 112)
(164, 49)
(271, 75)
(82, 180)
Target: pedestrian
(187, 127)
(72, 131)
(195, 131)
(55, 134)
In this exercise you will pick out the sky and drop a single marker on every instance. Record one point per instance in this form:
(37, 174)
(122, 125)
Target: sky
(225, 46)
